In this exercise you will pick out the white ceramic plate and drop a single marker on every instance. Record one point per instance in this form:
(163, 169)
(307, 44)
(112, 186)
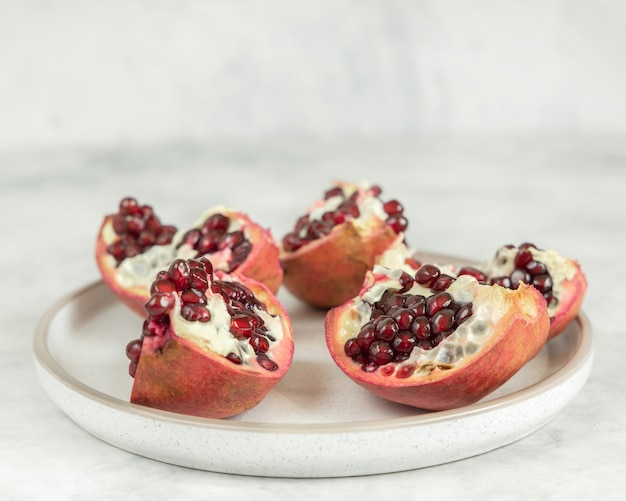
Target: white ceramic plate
(314, 423)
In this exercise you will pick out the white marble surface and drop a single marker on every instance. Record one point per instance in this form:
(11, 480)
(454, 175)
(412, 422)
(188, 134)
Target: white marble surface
(464, 197)
(138, 71)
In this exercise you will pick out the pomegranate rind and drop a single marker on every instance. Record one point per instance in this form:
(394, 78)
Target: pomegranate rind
(519, 334)
(329, 271)
(570, 301)
(183, 378)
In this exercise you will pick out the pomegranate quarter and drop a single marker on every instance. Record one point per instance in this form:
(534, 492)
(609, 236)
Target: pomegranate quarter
(559, 279)
(133, 246)
(211, 346)
(331, 247)
(433, 341)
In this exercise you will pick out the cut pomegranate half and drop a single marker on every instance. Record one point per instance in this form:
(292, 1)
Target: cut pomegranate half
(434, 341)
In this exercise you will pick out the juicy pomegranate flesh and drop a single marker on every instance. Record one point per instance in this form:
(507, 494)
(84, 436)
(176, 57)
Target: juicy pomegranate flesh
(525, 269)
(138, 229)
(401, 320)
(214, 236)
(192, 281)
(307, 229)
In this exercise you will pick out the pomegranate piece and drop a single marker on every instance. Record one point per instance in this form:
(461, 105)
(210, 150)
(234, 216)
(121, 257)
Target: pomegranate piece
(435, 349)
(330, 248)
(559, 279)
(211, 352)
(133, 247)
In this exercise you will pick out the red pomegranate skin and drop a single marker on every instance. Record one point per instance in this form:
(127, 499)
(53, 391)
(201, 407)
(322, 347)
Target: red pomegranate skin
(329, 271)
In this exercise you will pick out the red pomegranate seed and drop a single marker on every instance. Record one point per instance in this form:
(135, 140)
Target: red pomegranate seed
(240, 254)
(179, 274)
(381, 353)
(333, 192)
(390, 300)
(231, 240)
(416, 303)
(191, 237)
(542, 282)
(404, 318)
(442, 321)
(242, 325)
(162, 285)
(160, 303)
(195, 313)
(208, 242)
(398, 223)
(427, 274)
(393, 207)
(128, 205)
(438, 302)
(474, 272)
(259, 343)
(266, 363)
(166, 234)
(216, 222)
(502, 281)
(385, 328)
(463, 313)
(421, 327)
(519, 276)
(522, 258)
(198, 279)
(133, 350)
(352, 348)
(192, 296)
(403, 342)
(235, 359)
(406, 282)
(536, 268)
(442, 282)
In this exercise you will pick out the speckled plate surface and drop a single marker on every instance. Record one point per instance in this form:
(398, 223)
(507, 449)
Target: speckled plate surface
(315, 422)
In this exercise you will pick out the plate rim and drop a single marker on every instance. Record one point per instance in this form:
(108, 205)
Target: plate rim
(582, 355)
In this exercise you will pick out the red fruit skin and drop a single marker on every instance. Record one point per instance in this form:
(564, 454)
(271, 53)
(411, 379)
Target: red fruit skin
(134, 297)
(572, 295)
(329, 271)
(520, 337)
(181, 377)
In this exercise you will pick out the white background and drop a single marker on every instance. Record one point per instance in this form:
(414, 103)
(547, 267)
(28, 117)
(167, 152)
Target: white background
(84, 72)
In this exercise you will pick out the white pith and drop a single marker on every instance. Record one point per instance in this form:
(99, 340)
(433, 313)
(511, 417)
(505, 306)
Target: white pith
(214, 336)
(396, 255)
(466, 340)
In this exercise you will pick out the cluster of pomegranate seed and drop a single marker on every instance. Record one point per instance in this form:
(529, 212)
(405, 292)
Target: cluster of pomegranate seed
(307, 230)
(192, 280)
(526, 269)
(138, 229)
(213, 236)
(400, 320)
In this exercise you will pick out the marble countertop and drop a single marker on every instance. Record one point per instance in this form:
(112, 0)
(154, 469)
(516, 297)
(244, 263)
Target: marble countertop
(464, 197)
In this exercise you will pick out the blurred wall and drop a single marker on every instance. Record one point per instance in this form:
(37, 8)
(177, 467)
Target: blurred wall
(127, 72)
